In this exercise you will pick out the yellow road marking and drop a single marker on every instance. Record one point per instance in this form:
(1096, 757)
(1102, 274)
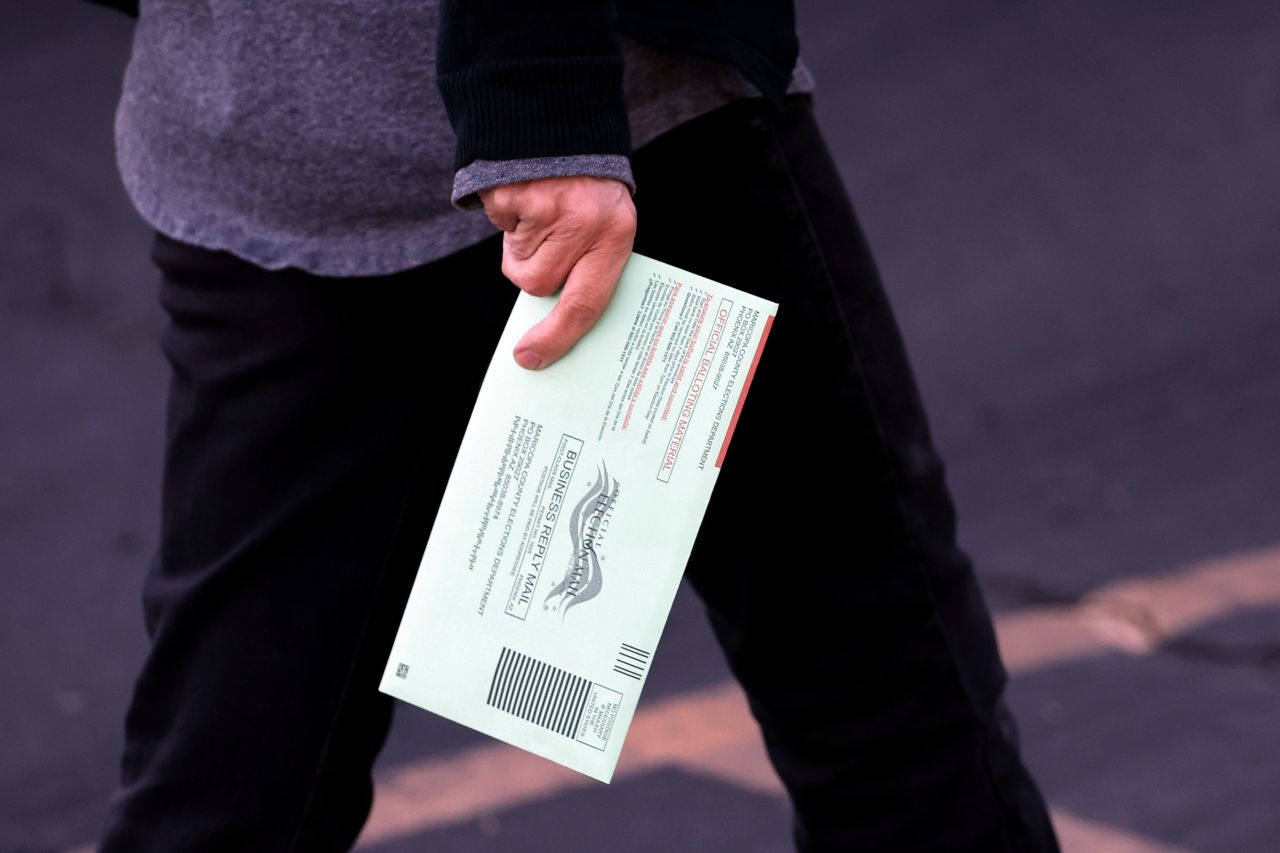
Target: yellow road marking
(1136, 615)
(1078, 835)
(710, 731)
(494, 777)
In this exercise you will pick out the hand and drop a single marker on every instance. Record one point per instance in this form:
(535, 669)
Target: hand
(575, 232)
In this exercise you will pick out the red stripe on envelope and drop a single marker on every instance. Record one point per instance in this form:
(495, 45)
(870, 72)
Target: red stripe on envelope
(746, 386)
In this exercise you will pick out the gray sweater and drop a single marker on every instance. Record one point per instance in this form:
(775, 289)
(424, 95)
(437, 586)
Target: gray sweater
(310, 134)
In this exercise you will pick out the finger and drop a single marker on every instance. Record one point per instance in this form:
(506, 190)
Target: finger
(521, 210)
(542, 273)
(587, 290)
(507, 220)
(524, 239)
(501, 205)
(545, 217)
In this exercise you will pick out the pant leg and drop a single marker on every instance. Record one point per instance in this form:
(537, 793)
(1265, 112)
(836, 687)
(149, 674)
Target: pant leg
(828, 559)
(302, 470)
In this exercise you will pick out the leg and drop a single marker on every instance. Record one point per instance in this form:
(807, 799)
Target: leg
(301, 474)
(849, 614)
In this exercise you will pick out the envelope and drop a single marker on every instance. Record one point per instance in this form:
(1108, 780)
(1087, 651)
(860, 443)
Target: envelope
(570, 514)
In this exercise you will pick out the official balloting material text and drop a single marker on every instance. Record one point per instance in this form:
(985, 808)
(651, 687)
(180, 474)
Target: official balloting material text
(570, 514)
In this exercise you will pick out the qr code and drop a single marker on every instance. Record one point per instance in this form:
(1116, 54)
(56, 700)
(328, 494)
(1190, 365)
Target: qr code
(402, 670)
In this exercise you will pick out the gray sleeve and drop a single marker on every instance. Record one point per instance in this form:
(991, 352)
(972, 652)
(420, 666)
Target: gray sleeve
(486, 174)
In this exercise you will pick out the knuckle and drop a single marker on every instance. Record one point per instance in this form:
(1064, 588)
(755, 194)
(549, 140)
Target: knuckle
(544, 286)
(535, 276)
(502, 198)
(537, 208)
(496, 218)
(518, 245)
(621, 220)
(626, 211)
(539, 286)
(578, 312)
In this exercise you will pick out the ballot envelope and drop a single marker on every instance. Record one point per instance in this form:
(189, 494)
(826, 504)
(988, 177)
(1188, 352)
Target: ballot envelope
(570, 513)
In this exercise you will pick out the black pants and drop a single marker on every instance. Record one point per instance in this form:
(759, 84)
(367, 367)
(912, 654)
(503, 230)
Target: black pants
(299, 492)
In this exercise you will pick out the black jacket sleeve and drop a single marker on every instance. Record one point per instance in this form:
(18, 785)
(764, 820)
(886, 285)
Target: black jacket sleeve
(531, 78)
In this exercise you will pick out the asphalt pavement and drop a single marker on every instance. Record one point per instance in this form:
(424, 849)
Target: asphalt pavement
(1076, 209)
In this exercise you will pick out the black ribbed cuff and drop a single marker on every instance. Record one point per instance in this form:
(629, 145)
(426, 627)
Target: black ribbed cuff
(518, 109)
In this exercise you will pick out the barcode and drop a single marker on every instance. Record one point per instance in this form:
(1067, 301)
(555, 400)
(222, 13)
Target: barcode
(632, 661)
(538, 692)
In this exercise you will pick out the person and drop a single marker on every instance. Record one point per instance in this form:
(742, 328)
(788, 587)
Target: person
(324, 190)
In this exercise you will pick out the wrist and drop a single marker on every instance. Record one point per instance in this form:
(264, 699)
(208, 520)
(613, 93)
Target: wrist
(482, 175)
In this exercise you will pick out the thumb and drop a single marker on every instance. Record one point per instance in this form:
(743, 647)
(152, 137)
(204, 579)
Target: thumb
(586, 293)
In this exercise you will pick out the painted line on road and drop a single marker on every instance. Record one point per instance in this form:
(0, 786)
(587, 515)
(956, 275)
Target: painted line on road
(494, 777)
(710, 731)
(707, 732)
(1077, 835)
(1139, 614)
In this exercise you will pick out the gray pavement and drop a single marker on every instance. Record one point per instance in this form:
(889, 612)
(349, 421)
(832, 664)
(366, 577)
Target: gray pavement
(1076, 211)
